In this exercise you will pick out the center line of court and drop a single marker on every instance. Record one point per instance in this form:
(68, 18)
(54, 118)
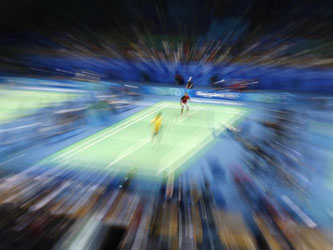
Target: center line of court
(114, 132)
(129, 151)
(183, 119)
(173, 160)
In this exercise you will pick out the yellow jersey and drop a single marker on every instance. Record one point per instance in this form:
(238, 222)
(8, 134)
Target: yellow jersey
(157, 122)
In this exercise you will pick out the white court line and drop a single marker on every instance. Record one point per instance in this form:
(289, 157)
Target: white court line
(179, 107)
(228, 111)
(183, 119)
(104, 133)
(220, 102)
(129, 151)
(116, 131)
(177, 158)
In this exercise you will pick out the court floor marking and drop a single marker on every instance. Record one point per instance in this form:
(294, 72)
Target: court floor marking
(175, 159)
(139, 145)
(229, 103)
(143, 142)
(192, 114)
(190, 148)
(111, 129)
(108, 130)
(116, 131)
(171, 156)
(228, 110)
(129, 151)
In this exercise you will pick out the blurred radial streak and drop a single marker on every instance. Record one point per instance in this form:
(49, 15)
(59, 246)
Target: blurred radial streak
(70, 70)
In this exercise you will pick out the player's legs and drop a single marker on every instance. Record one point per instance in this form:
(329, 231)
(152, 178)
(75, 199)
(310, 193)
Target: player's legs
(182, 109)
(155, 136)
(187, 107)
(159, 134)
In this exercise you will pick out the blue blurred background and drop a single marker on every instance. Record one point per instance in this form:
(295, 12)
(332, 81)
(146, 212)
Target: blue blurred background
(70, 69)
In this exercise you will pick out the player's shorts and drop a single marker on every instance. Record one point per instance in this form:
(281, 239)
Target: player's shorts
(184, 104)
(156, 130)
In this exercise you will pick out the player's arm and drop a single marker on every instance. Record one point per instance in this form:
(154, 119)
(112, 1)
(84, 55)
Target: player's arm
(152, 121)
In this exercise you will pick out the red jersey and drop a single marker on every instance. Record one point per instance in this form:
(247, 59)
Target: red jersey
(184, 99)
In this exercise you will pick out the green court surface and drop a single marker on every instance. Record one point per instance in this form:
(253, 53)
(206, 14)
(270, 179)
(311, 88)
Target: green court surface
(18, 103)
(127, 146)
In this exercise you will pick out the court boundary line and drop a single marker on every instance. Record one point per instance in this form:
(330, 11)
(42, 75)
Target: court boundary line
(225, 111)
(188, 149)
(190, 115)
(122, 124)
(232, 119)
(129, 151)
(154, 108)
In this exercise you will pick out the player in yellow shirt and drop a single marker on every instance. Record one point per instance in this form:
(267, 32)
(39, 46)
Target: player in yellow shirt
(157, 125)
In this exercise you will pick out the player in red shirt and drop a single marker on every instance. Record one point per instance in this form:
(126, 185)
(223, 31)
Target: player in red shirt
(183, 102)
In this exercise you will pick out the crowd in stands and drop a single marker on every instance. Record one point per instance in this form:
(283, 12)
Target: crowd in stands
(296, 36)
